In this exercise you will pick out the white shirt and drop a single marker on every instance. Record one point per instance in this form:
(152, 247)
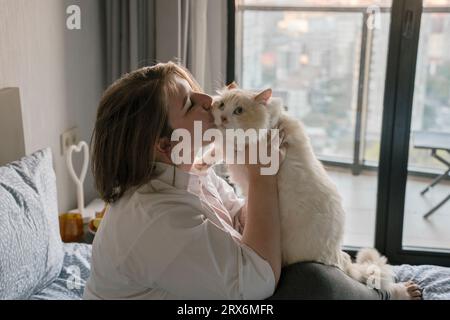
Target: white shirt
(173, 238)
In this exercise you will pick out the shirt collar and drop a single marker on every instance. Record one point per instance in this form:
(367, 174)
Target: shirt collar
(169, 176)
(173, 176)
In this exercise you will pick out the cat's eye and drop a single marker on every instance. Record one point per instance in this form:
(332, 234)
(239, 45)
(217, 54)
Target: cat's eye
(238, 111)
(222, 106)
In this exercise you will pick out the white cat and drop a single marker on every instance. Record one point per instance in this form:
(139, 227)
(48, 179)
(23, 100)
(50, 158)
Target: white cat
(311, 212)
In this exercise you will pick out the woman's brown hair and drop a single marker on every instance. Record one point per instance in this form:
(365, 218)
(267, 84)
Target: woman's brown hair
(132, 116)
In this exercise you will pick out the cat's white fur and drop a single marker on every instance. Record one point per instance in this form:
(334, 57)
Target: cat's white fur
(311, 211)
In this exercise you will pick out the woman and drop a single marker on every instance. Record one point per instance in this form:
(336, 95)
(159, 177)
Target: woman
(169, 233)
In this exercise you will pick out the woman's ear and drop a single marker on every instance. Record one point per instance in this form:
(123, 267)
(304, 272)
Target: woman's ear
(264, 96)
(164, 146)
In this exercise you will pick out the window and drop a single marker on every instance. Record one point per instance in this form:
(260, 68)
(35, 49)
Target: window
(328, 61)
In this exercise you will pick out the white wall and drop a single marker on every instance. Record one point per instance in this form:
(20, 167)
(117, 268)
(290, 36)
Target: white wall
(59, 73)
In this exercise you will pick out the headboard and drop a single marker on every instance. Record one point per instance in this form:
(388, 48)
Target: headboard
(12, 142)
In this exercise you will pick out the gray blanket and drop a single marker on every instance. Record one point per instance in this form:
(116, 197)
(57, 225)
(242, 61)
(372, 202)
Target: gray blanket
(434, 281)
(301, 281)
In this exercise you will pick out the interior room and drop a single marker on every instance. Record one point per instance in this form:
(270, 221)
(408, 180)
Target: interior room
(366, 83)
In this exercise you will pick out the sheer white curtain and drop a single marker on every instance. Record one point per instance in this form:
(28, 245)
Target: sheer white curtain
(202, 40)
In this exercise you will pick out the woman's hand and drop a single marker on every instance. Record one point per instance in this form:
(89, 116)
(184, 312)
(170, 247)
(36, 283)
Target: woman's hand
(272, 158)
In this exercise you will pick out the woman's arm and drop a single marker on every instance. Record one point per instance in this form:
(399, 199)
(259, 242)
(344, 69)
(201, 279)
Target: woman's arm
(262, 226)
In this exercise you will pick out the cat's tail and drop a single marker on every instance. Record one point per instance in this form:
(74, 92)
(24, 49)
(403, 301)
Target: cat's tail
(370, 268)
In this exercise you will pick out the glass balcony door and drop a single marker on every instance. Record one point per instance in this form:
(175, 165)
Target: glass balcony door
(426, 223)
(414, 218)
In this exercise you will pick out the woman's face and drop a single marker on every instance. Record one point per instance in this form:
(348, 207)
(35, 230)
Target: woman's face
(187, 106)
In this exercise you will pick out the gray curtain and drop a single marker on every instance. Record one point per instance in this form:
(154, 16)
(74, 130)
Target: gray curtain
(184, 31)
(202, 41)
(130, 36)
(143, 32)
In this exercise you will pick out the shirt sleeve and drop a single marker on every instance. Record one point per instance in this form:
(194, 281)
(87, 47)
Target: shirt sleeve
(190, 257)
(231, 201)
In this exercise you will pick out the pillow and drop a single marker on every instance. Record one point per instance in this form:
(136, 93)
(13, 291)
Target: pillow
(31, 249)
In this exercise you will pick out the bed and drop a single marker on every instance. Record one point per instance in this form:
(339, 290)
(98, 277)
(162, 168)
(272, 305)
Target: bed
(36, 264)
(70, 283)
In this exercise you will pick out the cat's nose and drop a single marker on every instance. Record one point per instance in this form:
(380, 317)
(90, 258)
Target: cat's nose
(224, 119)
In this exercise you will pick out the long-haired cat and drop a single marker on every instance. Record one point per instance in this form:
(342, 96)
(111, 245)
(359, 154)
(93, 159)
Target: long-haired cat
(311, 211)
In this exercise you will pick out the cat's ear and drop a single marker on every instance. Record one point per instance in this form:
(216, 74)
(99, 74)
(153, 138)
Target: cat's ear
(232, 86)
(264, 96)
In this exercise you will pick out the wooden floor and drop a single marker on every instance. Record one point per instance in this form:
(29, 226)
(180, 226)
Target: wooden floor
(359, 195)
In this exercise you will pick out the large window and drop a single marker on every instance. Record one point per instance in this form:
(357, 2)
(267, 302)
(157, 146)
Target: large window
(295, 53)
(430, 120)
(370, 80)
(327, 60)
(327, 65)
(431, 109)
